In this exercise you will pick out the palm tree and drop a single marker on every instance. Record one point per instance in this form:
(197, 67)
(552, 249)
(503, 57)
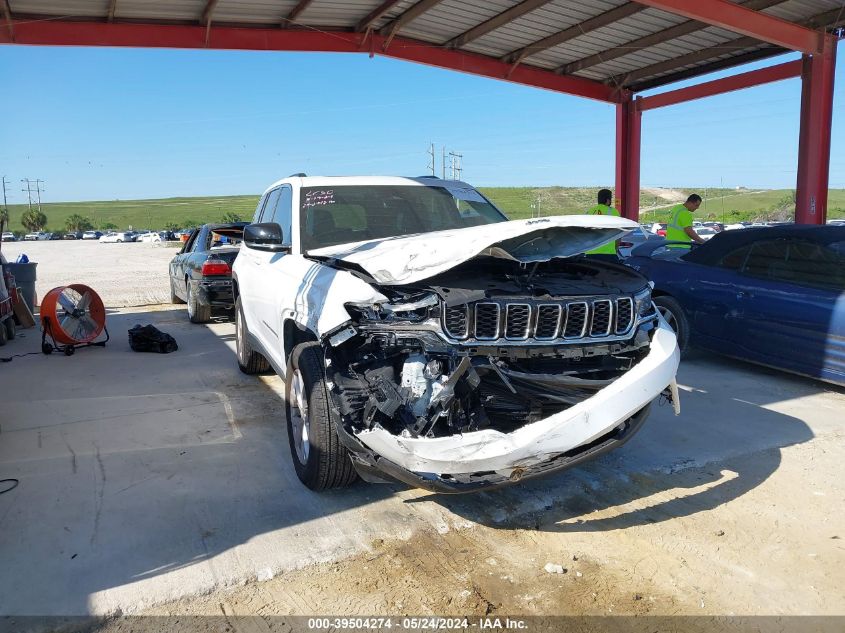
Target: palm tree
(34, 220)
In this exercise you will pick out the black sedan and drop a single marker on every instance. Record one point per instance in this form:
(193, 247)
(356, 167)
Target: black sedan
(772, 295)
(201, 274)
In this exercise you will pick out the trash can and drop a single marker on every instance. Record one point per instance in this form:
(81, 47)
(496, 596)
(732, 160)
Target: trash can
(25, 278)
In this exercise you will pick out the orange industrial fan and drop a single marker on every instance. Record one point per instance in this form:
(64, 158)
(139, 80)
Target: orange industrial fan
(72, 316)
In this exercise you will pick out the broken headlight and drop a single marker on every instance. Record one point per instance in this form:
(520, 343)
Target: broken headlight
(642, 301)
(412, 308)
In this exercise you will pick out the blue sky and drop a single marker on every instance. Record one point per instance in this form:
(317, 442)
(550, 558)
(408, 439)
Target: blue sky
(103, 124)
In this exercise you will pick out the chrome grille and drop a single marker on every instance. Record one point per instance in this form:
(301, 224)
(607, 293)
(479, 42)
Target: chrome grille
(528, 320)
(455, 321)
(487, 321)
(624, 314)
(548, 322)
(517, 321)
(576, 320)
(600, 323)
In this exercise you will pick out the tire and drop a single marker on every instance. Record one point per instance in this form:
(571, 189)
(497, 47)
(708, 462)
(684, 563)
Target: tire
(120, 241)
(10, 328)
(197, 312)
(174, 298)
(4, 335)
(321, 461)
(674, 315)
(249, 362)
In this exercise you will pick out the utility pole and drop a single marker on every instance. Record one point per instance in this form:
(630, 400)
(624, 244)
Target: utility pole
(5, 206)
(443, 161)
(456, 165)
(28, 192)
(431, 154)
(38, 192)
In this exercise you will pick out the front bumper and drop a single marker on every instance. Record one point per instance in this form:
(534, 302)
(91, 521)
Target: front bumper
(489, 458)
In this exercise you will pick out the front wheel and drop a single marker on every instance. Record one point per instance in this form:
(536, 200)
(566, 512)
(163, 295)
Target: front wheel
(673, 313)
(320, 460)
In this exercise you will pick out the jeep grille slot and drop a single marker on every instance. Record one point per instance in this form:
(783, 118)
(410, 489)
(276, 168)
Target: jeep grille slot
(517, 320)
(624, 314)
(600, 325)
(526, 319)
(487, 321)
(455, 321)
(576, 320)
(548, 322)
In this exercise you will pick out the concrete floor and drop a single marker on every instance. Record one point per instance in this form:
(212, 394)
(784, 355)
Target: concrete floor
(145, 478)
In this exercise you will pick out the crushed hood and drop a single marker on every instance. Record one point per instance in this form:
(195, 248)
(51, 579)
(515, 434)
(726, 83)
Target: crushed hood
(411, 258)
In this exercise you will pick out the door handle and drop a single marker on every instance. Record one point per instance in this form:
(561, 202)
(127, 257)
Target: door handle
(741, 294)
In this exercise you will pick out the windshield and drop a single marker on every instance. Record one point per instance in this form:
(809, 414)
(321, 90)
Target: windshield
(340, 215)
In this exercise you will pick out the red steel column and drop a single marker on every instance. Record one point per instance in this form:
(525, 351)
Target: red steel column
(628, 124)
(817, 80)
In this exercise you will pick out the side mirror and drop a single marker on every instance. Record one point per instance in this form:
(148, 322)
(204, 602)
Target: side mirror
(265, 236)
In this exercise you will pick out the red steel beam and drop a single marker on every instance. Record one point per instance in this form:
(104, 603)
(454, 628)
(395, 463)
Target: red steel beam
(739, 19)
(814, 139)
(721, 86)
(66, 33)
(628, 135)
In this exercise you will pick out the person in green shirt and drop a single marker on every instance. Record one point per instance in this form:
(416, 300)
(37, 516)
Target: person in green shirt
(679, 228)
(607, 251)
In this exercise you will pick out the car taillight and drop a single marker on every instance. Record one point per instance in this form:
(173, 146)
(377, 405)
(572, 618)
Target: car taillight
(213, 266)
(661, 232)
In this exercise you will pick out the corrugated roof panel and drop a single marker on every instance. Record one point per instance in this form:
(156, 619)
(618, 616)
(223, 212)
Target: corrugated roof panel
(705, 38)
(800, 10)
(70, 8)
(394, 13)
(337, 13)
(264, 12)
(689, 66)
(544, 21)
(616, 34)
(453, 17)
(160, 9)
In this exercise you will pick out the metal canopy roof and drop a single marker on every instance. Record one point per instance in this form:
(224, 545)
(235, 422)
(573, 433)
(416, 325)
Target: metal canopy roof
(614, 43)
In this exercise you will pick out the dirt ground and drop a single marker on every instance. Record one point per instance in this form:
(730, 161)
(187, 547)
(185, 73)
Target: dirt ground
(634, 549)
(122, 274)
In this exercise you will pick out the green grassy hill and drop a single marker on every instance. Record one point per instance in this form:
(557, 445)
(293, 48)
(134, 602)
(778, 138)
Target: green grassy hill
(727, 205)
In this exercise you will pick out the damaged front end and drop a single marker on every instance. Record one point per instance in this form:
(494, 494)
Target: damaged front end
(497, 371)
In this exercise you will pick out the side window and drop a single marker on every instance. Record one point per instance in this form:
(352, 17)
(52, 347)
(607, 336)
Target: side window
(192, 239)
(195, 244)
(257, 216)
(270, 206)
(735, 259)
(282, 213)
(766, 258)
(810, 264)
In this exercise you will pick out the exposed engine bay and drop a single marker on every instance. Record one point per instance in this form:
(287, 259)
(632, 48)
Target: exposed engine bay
(490, 344)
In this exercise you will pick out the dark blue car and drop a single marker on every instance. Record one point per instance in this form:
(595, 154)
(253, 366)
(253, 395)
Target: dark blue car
(772, 295)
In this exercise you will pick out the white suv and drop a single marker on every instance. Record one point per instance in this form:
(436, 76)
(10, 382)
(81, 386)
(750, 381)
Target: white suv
(425, 338)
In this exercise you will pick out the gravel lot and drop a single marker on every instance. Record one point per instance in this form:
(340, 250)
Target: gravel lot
(122, 274)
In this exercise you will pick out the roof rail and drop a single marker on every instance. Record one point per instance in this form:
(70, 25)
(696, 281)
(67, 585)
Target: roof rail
(429, 176)
(298, 175)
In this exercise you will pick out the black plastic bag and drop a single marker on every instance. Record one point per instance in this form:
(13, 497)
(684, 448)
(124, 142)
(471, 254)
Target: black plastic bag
(148, 338)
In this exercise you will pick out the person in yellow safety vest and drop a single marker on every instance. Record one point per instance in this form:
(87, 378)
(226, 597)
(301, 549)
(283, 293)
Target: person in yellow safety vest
(679, 228)
(607, 251)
